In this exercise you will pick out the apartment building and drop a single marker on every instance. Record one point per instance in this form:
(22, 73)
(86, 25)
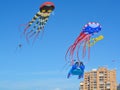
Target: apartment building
(99, 79)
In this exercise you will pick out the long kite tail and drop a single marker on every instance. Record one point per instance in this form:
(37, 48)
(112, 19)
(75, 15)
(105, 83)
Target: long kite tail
(78, 42)
(88, 47)
(84, 41)
(27, 35)
(75, 43)
(87, 41)
(72, 48)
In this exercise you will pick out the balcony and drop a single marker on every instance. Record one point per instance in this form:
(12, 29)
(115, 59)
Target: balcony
(101, 82)
(101, 74)
(108, 85)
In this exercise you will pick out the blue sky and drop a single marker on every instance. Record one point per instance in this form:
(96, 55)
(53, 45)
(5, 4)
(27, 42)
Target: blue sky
(39, 66)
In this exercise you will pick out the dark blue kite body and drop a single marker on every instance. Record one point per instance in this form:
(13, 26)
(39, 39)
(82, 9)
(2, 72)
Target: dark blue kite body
(77, 69)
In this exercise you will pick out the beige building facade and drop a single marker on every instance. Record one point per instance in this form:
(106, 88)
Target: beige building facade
(99, 79)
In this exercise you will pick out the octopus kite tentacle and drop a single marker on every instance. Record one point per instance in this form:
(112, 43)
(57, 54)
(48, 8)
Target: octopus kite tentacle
(82, 39)
(38, 14)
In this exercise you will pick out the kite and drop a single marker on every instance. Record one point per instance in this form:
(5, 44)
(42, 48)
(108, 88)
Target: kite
(83, 40)
(94, 40)
(38, 22)
(77, 69)
(19, 46)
